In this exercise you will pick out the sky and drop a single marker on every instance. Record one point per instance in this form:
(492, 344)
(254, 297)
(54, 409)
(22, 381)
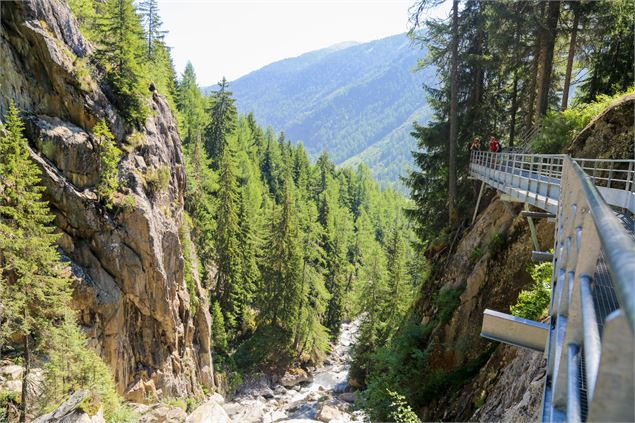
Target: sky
(232, 38)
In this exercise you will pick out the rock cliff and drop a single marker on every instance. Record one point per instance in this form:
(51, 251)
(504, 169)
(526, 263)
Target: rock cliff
(128, 260)
(502, 383)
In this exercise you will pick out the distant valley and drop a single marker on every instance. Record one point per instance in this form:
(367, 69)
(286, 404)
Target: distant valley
(355, 100)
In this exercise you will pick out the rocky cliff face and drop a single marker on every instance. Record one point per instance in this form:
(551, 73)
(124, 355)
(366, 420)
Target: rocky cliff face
(508, 385)
(488, 269)
(130, 292)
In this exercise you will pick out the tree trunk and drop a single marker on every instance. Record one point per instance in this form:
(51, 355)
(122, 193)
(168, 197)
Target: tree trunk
(567, 77)
(25, 377)
(453, 214)
(298, 326)
(514, 110)
(549, 41)
(529, 117)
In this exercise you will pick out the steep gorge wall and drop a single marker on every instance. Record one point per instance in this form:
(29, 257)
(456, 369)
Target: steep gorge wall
(128, 261)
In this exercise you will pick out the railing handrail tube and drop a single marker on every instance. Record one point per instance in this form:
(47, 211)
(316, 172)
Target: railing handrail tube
(618, 246)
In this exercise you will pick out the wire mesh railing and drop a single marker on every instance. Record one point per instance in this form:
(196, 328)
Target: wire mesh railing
(591, 355)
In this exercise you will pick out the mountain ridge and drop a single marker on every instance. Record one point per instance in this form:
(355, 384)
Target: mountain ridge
(357, 101)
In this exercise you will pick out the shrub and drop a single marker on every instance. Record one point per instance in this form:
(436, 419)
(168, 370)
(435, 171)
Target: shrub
(557, 129)
(157, 179)
(72, 366)
(188, 270)
(448, 300)
(400, 410)
(109, 157)
(496, 243)
(476, 253)
(532, 304)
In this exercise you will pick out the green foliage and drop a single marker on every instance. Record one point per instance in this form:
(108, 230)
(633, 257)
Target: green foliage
(269, 349)
(558, 129)
(496, 243)
(73, 366)
(188, 259)
(109, 157)
(476, 253)
(222, 121)
(219, 335)
(448, 300)
(400, 410)
(34, 286)
(610, 50)
(156, 179)
(121, 52)
(533, 303)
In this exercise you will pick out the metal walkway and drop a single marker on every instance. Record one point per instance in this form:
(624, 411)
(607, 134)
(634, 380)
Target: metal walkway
(588, 340)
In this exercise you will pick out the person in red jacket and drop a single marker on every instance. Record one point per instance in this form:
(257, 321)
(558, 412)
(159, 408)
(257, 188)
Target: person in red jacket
(494, 145)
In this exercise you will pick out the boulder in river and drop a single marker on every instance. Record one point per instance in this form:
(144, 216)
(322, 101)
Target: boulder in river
(294, 376)
(348, 397)
(328, 412)
(210, 412)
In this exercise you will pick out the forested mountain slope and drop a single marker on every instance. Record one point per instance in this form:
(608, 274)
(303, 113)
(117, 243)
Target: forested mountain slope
(356, 101)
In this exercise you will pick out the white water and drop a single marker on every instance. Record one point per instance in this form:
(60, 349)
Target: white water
(302, 402)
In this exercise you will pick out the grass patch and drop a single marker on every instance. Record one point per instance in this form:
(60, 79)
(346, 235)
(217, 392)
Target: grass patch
(156, 179)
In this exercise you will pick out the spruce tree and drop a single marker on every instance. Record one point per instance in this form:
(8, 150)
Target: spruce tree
(121, 52)
(280, 291)
(191, 105)
(109, 157)
(35, 290)
(149, 10)
(200, 203)
(222, 121)
(230, 289)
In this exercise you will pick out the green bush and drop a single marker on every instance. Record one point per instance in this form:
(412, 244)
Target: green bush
(496, 243)
(558, 129)
(157, 179)
(532, 304)
(109, 157)
(188, 267)
(448, 300)
(400, 410)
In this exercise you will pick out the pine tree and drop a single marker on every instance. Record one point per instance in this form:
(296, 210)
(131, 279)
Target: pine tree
(149, 10)
(202, 184)
(109, 157)
(35, 290)
(280, 292)
(219, 334)
(191, 105)
(222, 123)
(230, 290)
(121, 52)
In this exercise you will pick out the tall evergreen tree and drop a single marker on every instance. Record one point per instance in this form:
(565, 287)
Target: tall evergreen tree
(191, 105)
(229, 288)
(149, 10)
(35, 290)
(222, 123)
(122, 53)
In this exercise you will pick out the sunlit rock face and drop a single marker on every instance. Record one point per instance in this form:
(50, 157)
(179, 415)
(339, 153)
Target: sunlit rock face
(130, 293)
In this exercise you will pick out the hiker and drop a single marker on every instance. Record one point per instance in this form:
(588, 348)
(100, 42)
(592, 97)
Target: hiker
(476, 144)
(494, 145)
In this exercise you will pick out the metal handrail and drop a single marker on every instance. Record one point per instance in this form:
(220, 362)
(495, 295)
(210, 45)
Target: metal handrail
(618, 246)
(582, 345)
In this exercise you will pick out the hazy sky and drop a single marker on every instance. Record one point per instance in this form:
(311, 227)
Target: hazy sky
(233, 38)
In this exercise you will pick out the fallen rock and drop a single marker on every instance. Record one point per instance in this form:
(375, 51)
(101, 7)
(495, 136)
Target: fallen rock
(294, 376)
(210, 412)
(328, 412)
(163, 414)
(70, 412)
(348, 396)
